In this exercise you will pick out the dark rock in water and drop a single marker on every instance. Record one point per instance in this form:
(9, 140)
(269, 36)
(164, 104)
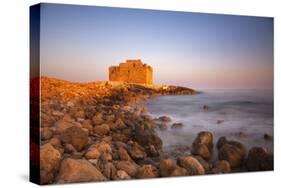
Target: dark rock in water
(147, 171)
(176, 125)
(268, 137)
(221, 141)
(165, 118)
(220, 121)
(192, 165)
(205, 107)
(221, 167)
(203, 145)
(259, 159)
(75, 136)
(73, 171)
(232, 153)
(206, 138)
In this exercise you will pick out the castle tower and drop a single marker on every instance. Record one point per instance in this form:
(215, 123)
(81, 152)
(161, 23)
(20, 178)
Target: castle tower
(132, 71)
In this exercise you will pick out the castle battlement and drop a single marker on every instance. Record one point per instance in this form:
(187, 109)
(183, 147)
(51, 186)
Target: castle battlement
(132, 71)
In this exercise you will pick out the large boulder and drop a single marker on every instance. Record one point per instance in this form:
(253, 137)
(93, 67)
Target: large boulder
(49, 163)
(76, 137)
(78, 170)
(259, 159)
(203, 145)
(205, 138)
(232, 151)
(192, 165)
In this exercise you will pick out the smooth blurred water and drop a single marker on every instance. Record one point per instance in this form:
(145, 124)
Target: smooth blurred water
(247, 115)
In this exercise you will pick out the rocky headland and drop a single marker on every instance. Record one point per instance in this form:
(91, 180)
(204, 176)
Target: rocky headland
(99, 131)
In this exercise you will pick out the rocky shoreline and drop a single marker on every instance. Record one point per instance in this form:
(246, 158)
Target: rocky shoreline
(99, 131)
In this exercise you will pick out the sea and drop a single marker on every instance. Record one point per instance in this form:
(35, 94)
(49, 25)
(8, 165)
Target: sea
(240, 115)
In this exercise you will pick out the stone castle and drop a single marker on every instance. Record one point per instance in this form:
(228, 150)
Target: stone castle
(132, 71)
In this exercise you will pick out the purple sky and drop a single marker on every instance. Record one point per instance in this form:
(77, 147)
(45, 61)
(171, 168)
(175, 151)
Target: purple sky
(79, 43)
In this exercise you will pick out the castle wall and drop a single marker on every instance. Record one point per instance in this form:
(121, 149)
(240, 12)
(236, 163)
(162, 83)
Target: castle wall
(133, 71)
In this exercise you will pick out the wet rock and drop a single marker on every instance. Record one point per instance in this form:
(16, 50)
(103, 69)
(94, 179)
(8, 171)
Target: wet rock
(49, 163)
(73, 171)
(147, 171)
(220, 167)
(203, 145)
(122, 175)
(136, 151)
(259, 159)
(176, 125)
(166, 167)
(204, 163)
(101, 129)
(129, 167)
(268, 137)
(164, 118)
(206, 138)
(192, 165)
(232, 154)
(232, 151)
(97, 119)
(201, 150)
(76, 137)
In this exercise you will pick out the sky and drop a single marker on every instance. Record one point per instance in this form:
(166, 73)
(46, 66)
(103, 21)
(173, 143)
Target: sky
(79, 43)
